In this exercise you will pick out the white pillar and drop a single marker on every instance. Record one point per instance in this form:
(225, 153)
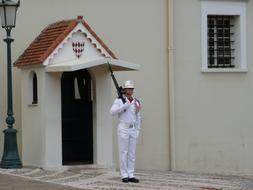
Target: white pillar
(103, 137)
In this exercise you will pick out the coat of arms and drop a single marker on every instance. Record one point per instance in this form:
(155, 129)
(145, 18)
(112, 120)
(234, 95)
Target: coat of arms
(78, 48)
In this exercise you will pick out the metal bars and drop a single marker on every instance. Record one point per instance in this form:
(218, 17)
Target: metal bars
(220, 43)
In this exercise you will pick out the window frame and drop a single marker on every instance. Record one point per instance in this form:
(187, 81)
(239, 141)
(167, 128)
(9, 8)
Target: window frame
(229, 8)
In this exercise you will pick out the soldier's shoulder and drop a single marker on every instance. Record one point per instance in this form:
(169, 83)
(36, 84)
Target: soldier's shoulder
(118, 100)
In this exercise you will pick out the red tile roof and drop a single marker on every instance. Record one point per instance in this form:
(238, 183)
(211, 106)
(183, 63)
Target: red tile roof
(50, 38)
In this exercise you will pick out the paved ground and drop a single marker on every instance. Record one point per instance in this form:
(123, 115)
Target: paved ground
(94, 178)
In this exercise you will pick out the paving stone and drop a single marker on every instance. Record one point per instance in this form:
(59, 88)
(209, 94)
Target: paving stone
(95, 178)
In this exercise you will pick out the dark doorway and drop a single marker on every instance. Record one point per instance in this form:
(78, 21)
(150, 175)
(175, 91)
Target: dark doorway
(77, 128)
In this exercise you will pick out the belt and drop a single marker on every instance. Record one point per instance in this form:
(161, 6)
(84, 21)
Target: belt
(127, 125)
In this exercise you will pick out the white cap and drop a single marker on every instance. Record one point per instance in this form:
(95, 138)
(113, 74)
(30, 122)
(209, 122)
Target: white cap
(128, 84)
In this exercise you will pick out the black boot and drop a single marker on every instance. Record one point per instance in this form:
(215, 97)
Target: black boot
(125, 180)
(134, 180)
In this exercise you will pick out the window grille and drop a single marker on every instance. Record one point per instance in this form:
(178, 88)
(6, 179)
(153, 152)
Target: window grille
(220, 41)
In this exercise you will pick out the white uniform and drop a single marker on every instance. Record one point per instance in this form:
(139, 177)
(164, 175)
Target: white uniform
(128, 132)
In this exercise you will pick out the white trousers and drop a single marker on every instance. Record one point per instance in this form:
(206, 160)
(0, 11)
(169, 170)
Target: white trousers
(127, 139)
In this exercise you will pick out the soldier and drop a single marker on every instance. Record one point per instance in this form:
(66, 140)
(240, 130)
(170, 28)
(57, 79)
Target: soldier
(128, 110)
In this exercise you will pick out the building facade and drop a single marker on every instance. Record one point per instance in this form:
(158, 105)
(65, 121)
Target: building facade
(212, 99)
(195, 94)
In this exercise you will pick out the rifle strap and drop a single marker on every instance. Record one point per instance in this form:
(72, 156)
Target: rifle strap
(137, 101)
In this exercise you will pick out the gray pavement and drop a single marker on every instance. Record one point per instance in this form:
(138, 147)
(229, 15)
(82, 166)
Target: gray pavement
(93, 177)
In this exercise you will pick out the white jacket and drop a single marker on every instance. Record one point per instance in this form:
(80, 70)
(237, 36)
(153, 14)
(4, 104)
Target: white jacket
(127, 112)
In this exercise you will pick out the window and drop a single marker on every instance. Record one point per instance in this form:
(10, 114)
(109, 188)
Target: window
(223, 36)
(220, 41)
(35, 89)
(32, 89)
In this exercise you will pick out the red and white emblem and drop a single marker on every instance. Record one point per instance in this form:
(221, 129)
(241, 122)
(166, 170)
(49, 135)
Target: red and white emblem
(78, 48)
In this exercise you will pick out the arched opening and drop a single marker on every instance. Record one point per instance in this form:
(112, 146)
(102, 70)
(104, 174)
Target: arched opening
(77, 127)
(32, 94)
(35, 89)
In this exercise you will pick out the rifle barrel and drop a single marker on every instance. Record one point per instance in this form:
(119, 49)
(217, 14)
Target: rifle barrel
(114, 81)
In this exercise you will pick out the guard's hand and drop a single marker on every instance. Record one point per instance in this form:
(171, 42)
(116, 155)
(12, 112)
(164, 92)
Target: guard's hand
(137, 106)
(123, 99)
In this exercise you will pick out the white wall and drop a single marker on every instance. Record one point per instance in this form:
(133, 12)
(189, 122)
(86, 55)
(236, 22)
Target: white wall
(52, 120)
(33, 130)
(213, 111)
(41, 123)
(102, 122)
(140, 36)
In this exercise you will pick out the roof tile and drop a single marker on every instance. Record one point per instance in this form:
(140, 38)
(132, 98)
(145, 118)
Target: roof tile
(45, 43)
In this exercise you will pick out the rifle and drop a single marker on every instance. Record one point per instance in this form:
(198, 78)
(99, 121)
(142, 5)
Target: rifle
(119, 89)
